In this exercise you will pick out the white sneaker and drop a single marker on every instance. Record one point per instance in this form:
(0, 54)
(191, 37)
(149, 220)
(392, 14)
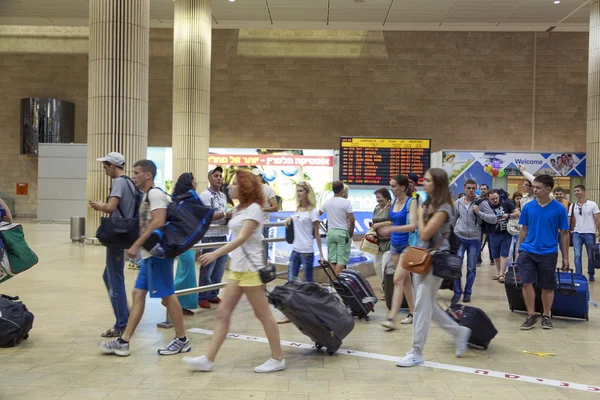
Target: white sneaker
(408, 320)
(199, 363)
(271, 365)
(389, 324)
(411, 359)
(462, 341)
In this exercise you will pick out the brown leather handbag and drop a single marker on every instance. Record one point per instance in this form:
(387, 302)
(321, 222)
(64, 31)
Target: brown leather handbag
(418, 260)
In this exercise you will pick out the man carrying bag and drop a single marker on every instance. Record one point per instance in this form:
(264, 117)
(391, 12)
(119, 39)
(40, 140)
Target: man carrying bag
(122, 204)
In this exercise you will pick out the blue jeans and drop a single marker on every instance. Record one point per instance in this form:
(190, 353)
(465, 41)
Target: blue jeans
(213, 272)
(304, 259)
(579, 239)
(114, 279)
(471, 247)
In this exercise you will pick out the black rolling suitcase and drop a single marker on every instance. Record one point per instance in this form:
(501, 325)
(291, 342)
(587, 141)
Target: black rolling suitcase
(354, 290)
(388, 286)
(481, 326)
(317, 313)
(595, 258)
(15, 321)
(514, 292)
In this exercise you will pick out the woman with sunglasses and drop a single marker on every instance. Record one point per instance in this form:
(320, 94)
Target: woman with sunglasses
(305, 222)
(185, 277)
(403, 214)
(434, 224)
(246, 252)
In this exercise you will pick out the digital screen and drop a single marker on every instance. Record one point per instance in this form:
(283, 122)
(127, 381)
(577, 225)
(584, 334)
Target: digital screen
(374, 161)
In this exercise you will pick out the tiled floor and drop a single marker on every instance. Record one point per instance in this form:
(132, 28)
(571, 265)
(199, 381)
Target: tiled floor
(60, 360)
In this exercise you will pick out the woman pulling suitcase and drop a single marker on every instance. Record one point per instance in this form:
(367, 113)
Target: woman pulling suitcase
(246, 252)
(403, 214)
(434, 223)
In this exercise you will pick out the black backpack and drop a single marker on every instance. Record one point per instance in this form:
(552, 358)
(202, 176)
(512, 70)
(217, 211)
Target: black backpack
(187, 222)
(15, 321)
(485, 227)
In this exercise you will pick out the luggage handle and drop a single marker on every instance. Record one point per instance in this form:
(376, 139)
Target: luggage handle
(566, 291)
(326, 265)
(515, 283)
(13, 298)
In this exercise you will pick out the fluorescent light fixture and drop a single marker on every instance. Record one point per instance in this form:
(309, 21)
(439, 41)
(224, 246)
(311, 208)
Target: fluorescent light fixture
(555, 1)
(231, 1)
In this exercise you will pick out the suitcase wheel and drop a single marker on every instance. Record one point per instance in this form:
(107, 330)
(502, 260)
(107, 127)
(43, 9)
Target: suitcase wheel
(367, 318)
(330, 352)
(27, 336)
(319, 346)
(586, 317)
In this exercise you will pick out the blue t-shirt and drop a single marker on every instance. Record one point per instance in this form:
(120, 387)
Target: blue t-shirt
(398, 219)
(543, 224)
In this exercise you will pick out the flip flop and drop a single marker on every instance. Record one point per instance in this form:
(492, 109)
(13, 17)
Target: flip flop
(283, 320)
(496, 277)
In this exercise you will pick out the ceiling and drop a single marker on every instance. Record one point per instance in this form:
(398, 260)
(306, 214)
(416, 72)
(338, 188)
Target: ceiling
(500, 15)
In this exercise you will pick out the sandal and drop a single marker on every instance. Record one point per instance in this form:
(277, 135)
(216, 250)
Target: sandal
(283, 320)
(501, 279)
(496, 277)
(185, 311)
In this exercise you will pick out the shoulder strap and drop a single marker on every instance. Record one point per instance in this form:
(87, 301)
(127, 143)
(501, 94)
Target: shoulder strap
(572, 217)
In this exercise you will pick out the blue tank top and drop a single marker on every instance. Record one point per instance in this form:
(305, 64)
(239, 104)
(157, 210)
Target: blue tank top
(399, 219)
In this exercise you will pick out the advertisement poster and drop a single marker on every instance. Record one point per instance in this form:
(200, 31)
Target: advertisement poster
(485, 166)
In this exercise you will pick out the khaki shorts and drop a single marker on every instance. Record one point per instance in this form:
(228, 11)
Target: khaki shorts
(246, 279)
(338, 246)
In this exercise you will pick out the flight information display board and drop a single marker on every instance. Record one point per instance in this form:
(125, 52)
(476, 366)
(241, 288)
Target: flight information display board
(374, 161)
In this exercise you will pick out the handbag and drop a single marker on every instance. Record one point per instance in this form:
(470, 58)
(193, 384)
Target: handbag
(418, 260)
(513, 227)
(267, 273)
(370, 243)
(447, 265)
(289, 232)
(120, 233)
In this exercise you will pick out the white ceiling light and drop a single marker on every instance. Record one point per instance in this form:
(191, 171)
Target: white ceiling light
(555, 1)
(231, 1)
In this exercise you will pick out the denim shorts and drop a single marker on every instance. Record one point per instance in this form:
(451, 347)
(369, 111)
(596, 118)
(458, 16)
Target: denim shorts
(500, 244)
(538, 269)
(397, 249)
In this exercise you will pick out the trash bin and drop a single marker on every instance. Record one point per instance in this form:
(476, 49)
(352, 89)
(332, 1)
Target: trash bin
(77, 228)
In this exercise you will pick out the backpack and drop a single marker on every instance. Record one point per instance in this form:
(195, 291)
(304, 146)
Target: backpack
(15, 321)
(188, 221)
(485, 227)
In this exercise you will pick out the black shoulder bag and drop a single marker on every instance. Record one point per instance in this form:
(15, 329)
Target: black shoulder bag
(120, 233)
(267, 272)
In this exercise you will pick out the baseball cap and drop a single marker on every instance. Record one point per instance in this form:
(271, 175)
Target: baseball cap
(413, 177)
(114, 158)
(215, 169)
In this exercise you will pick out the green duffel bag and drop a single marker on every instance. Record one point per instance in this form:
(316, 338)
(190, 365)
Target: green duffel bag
(20, 256)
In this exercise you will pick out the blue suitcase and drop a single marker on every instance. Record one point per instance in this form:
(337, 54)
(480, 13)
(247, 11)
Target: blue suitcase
(571, 296)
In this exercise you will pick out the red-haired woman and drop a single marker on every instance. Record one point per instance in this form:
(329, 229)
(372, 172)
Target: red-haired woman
(246, 254)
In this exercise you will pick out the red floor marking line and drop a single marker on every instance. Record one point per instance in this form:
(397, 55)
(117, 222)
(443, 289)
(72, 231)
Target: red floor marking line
(447, 367)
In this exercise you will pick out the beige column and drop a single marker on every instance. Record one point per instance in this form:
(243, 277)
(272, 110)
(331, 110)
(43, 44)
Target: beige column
(592, 178)
(191, 88)
(117, 90)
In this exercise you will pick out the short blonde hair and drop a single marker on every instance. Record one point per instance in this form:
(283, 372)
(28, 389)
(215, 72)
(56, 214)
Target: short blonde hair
(311, 198)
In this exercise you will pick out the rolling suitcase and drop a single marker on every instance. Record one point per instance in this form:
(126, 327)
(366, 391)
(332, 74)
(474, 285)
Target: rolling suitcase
(315, 312)
(571, 296)
(15, 321)
(354, 290)
(595, 258)
(481, 326)
(388, 286)
(514, 292)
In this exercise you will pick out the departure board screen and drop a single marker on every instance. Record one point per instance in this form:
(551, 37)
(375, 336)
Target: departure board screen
(374, 161)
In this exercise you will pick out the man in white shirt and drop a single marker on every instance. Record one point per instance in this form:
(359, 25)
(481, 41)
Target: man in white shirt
(156, 274)
(213, 272)
(340, 227)
(584, 221)
(269, 207)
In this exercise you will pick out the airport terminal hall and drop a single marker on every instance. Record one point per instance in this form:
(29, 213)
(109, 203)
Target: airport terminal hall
(299, 199)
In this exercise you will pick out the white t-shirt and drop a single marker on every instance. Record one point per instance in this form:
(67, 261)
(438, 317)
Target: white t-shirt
(337, 210)
(269, 194)
(303, 230)
(249, 256)
(217, 201)
(153, 200)
(584, 223)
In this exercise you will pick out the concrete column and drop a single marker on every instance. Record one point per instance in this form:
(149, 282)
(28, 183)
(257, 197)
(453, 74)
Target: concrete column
(191, 88)
(117, 90)
(592, 178)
